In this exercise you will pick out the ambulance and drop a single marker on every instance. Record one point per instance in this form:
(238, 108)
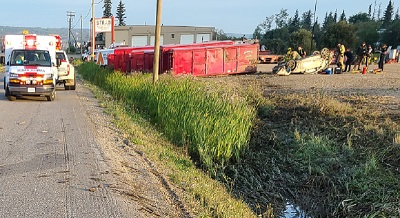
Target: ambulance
(31, 66)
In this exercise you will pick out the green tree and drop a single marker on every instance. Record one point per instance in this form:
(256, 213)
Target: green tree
(342, 16)
(121, 13)
(107, 8)
(277, 40)
(388, 15)
(266, 25)
(367, 32)
(257, 33)
(341, 32)
(391, 36)
(306, 21)
(303, 38)
(294, 23)
(360, 17)
(329, 19)
(397, 15)
(370, 10)
(281, 19)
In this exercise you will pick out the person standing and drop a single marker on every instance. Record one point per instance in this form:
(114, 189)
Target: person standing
(361, 54)
(349, 60)
(368, 56)
(341, 50)
(382, 56)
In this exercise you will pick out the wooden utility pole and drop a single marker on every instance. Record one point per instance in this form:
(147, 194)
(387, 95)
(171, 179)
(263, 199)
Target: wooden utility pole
(156, 61)
(81, 35)
(93, 43)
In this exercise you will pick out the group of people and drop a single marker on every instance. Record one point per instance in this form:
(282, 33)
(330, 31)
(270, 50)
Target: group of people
(363, 54)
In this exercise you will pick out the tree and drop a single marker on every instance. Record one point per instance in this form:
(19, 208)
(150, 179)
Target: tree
(294, 23)
(339, 32)
(306, 21)
(257, 33)
(391, 36)
(121, 14)
(367, 32)
(342, 16)
(388, 15)
(281, 19)
(267, 23)
(360, 17)
(107, 8)
(329, 19)
(302, 37)
(370, 10)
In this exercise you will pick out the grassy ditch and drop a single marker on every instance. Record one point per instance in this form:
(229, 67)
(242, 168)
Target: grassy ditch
(210, 129)
(333, 156)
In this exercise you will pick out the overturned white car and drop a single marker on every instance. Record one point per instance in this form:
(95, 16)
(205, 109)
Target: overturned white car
(315, 63)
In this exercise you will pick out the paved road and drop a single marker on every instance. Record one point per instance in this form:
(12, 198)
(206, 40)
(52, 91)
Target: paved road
(50, 162)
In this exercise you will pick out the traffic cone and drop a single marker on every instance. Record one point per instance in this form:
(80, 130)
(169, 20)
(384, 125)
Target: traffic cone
(364, 71)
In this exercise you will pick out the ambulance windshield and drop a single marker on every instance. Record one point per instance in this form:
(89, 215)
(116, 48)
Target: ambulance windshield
(30, 57)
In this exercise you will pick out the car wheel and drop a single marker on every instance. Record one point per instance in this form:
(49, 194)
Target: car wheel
(325, 53)
(291, 64)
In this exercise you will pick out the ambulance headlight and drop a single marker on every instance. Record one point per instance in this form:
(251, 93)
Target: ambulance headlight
(48, 76)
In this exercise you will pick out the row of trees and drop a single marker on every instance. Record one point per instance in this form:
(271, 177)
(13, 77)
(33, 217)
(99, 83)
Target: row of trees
(279, 31)
(120, 15)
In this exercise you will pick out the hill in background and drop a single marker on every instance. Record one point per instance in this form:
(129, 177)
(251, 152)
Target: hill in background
(63, 32)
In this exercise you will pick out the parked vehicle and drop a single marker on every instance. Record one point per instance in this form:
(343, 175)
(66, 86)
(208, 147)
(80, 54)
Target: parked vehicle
(31, 66)
(66, 71)
(266, 57)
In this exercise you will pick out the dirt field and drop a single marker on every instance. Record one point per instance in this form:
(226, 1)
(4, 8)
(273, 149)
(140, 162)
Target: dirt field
(383, 84)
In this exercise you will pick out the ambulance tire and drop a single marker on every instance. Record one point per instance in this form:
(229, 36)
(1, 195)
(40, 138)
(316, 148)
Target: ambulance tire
(51, 97)
(9, 96)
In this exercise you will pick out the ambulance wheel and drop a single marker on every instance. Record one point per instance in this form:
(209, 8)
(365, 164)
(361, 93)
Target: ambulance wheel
(9, 96)
(51, 97)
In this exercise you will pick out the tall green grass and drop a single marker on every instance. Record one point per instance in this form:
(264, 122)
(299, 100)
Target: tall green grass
(213, 127)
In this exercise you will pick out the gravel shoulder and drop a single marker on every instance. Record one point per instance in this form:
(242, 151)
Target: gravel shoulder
(142, 191)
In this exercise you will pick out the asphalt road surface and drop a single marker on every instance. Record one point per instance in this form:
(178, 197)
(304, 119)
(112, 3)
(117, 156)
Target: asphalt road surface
(51, 163)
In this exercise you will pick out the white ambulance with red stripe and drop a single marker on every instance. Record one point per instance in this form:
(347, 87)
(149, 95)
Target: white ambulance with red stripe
(31, 66)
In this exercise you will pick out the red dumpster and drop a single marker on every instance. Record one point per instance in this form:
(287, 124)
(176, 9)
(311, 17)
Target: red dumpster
(217, 60)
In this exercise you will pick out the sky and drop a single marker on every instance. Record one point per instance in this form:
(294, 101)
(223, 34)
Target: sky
(230, 16)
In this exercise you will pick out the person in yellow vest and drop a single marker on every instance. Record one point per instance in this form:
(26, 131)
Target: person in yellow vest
(288, 54)
(340, 60)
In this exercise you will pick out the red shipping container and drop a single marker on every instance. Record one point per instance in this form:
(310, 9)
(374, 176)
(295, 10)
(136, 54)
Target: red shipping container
(110, 58)
(121, 56)
(218, 60)
(166, 59)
